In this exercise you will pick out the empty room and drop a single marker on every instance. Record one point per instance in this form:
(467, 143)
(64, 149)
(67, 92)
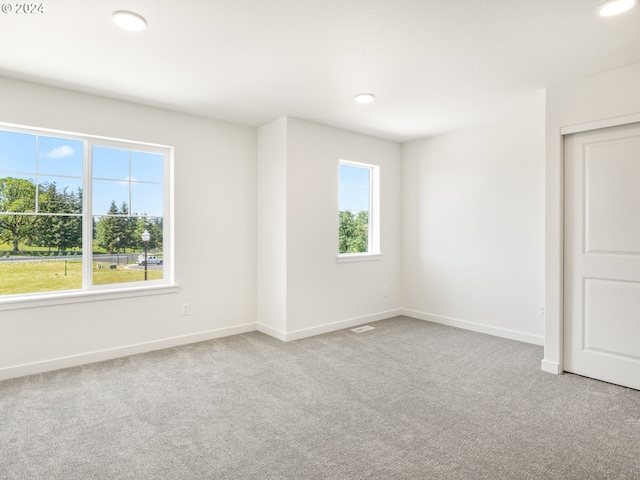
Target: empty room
(300, 239)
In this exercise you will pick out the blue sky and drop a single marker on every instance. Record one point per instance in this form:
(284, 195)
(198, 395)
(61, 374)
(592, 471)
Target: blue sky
(126, 176)
(354, 188)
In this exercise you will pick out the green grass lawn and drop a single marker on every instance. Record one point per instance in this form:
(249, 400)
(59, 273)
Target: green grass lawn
(49, 276)
(106, 276)
(30, 277)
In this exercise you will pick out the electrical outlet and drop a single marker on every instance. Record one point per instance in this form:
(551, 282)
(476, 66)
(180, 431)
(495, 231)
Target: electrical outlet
(186, 309)
(541, 310)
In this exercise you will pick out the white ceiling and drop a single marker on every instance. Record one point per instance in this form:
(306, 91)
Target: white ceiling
(434, 66)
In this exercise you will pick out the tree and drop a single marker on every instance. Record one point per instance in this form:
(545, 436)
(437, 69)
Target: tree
(62, 232)
(127, 227)
(108, 229)
(154, 226)
(119, 230)
(43, 226)
(353, 233)
(17, 195)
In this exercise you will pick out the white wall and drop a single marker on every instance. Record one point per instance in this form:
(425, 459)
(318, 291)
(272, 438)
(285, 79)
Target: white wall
(215, 237)
(462, 220)
(321, 291)
(322, 295)
(272, 228)
(473, 226)
(607, 99)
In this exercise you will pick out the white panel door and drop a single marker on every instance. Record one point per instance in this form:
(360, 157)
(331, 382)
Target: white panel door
(602, 255)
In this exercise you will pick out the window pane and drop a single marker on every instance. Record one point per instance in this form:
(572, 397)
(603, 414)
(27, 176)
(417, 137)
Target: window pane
(354, 191)
(41, 213)
(354, 203)
(59, 195)
(110, 163)
(107, 193)
(346, 174)
(17, 152)
(360, 200)
(42, 254)
(353, 232)
(118, 245)
(147, 199)
(118, 250)
(345, 198)
(60, 156)
(147, 167)
(17, 194)
(57, 233)
(360, 178)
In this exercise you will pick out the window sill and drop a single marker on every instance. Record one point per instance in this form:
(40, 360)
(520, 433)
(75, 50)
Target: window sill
(358, 257)
(44, 300)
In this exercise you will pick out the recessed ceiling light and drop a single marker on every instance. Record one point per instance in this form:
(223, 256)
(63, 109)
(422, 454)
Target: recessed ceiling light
(365, 97)
(129, 21)
(615, 7)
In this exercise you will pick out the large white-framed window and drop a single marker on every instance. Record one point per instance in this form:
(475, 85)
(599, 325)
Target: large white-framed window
(359, 211)
(73, 210)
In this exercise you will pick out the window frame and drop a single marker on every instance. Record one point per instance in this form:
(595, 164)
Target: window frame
(373, 249)
(88, 291)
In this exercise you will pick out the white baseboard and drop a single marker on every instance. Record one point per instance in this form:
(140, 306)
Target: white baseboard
(272, 332)
(476, 327)
(102, 355)
(328, 327)
(99, 356)
(551, 367)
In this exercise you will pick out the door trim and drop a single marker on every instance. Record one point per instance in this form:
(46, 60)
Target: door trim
(553, 361)
(597, 125)
(585, 103)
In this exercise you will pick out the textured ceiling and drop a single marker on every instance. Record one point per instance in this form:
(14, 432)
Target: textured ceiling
(434, 66)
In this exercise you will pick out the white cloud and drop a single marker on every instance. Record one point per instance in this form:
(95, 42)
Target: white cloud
(60, 152)
(125, 183)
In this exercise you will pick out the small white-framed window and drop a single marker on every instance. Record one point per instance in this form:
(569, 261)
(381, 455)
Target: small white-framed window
(358, 216)
(73, 209)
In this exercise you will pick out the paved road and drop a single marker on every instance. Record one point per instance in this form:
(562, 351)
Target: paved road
(134, 266)
(77, 257)
(36, 259)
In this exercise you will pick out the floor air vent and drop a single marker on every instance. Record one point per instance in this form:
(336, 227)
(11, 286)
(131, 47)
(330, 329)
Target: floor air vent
(362, 329)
